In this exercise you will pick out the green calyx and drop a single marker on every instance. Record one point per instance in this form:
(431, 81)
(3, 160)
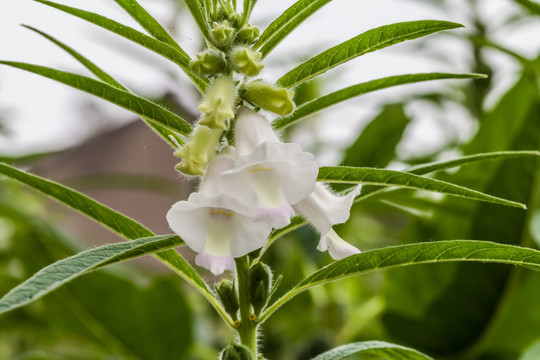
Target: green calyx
(236, 352)
(218, 104)
(223, 34)
(228, 297)
(246, 60)
(260, 279)
(198, 151)
(269, 97)
(248, 34)
(208, 63)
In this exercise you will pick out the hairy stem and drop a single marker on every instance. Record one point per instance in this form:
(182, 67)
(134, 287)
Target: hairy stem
(248, 327)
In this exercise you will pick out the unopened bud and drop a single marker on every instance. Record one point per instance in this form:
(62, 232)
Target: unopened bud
(235, 20)
(222, 33)
(248, 34)
(227, 296)
(218, 104)
(236, 352)
(246, 60)
(269, 97)
(208, 63)
(260, 278)
(198, 151)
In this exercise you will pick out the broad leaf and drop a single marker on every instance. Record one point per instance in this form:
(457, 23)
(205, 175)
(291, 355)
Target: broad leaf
(421, 253)
(286, 23)
(122, 98)
(423, 169)
(372, 176)
(379, 349)
(123, 225)
(164, 132)
(63, 271)
(174, 54)
(336, 97)
(369, 41)
(149, 23)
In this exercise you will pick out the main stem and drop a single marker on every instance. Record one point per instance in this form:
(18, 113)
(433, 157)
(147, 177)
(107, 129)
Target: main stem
(248, 327)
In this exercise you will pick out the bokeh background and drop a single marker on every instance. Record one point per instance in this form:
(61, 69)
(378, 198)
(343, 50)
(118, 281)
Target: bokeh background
(139, 311)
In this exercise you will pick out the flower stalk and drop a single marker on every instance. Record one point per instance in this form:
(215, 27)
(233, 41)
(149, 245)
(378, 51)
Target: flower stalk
(247, 330)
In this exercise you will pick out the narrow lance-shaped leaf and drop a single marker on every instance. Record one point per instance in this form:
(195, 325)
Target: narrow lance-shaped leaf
(411, 254)
(148, 22)
(369, 41)
(164, 132)
(61, 272)
(198, 14)
(248, 8)
(286, 23)
(379, 349)
(423, 169)
(325, 101)
(176, 55)
(115, 221)
(369, 190)
(122, 98)
(372, 176)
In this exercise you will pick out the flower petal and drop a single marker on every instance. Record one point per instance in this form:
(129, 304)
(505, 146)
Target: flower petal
(336, 246)
(251, 130)
(323, 209)
(270, 179)
(219, 228)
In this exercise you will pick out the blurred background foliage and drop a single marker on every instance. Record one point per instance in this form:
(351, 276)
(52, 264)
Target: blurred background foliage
(450, 311)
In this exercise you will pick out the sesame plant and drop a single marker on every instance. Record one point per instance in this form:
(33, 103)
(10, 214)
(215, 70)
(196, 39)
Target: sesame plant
(254, 187)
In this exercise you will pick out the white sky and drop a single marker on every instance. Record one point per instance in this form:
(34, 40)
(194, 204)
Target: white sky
(46, 115)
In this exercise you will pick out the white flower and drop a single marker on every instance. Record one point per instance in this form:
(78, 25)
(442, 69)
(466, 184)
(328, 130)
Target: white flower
(323, 209)
(268, 175)
(214, 224)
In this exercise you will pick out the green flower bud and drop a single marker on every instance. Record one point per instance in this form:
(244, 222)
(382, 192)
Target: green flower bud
(260, 278)
(236, 352)
(248, 34)
(218, 104)
(198, 151)
(246, 60)
(227, 296)
(208, 63)
(235, 20)
(222, 33)
(269, 97)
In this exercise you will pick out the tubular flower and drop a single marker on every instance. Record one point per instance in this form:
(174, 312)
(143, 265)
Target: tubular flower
(216, 225)
(218, 104)
(268, 174)
(323, 209)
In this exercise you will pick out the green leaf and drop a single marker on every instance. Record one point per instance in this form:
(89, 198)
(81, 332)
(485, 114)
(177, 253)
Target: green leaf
(164, 132)
(123, 225)
(372, 176)
(149, 23)
(421, 253)
(174, 54)
(198, 14)
(533, 7)
(286, 23)
(380, 349)
(389, 124)
(369, 41)
(325, 101)
(63, 271)
(248, 8)
(423, 169)
(122, 98)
